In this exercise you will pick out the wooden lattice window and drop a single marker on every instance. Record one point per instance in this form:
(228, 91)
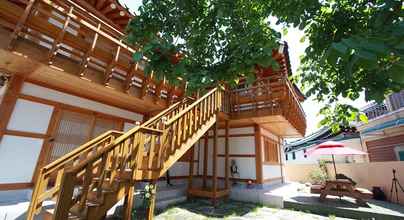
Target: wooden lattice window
(271, 151)
(75, 129)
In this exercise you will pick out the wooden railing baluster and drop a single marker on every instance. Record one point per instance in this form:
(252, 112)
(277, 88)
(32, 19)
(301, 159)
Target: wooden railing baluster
(21, 23)
(86, 57)
(57, 42)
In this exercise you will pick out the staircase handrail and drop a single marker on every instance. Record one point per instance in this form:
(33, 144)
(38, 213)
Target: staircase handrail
(179, 115)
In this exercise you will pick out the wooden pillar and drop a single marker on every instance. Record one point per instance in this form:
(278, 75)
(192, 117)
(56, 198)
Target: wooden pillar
(258, 155)
(205, 160)
(191, 167)
(152, 204)
(128, 203)
(214, 167)
(9, 100)
(280, 149)
(226, 150)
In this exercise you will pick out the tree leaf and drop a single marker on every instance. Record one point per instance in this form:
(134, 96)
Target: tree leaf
(137, 56)
(363, 118)
(340, 48)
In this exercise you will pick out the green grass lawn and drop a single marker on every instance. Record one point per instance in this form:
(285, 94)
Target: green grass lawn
(203, 209)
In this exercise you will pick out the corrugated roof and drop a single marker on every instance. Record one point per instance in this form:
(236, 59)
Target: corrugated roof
(323, 134)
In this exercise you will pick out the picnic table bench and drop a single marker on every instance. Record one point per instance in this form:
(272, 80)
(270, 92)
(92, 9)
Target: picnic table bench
(341, 188)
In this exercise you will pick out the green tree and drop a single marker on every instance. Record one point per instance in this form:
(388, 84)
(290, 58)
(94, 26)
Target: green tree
(354, 45)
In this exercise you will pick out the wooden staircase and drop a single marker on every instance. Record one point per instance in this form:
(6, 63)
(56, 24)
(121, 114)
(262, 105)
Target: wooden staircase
(88, 181)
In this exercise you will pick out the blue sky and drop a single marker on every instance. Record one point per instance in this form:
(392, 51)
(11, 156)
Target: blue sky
(296, 49)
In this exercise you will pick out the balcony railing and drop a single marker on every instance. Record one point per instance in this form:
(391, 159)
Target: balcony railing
(375, 110)
(269, 96)
(396, 100)
(392, 103)
(67, 30)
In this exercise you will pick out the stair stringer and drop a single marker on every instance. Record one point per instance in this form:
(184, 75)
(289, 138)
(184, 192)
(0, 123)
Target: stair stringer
(187, 145)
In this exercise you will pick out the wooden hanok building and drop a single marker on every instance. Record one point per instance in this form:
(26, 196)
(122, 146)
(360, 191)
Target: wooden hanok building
(81, 124)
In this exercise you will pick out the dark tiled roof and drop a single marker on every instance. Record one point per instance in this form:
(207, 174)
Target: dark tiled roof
(322, 135)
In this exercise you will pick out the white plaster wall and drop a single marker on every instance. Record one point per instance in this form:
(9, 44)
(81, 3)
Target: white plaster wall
(181, 169)
(30, 116)
(244, 130)
(237, 145)
(18, 157)
(127, 126)
(53, 95)
(271, 171)
(246, 167)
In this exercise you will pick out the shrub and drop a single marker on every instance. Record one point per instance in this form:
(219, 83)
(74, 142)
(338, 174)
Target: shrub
(320, 174)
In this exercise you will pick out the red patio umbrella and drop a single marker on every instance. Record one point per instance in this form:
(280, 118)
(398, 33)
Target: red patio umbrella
(333, 148)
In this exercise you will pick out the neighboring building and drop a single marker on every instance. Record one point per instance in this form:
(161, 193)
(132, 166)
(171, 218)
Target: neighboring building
(295, 152)
(383, 135)
(72, 98)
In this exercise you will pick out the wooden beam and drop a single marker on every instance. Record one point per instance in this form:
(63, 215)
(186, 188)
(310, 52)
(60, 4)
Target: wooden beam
(25, 134)
(191, 167)
(152, 203)
(214, 166)
(280, 157)
(99, 4)
(226, 150)
(128, 203)
(108, 8)
(120, 14)
(14, 186)
(205, 160)
(9, 100)
(258, 154)
(122, 21)
(47, 145)
(21, 23)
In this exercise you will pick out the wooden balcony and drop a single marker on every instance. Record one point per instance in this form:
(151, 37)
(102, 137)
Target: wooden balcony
(63, 46)
(271, 102)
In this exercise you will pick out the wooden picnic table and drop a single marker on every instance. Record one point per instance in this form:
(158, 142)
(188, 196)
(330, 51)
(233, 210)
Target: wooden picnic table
(341, 187)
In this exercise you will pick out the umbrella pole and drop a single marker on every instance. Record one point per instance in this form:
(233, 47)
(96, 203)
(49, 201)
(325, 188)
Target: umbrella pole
(335, 169)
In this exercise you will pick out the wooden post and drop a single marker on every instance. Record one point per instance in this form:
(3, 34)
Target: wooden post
(152, 204)
(65, 196)
(56, 43)
(226, 150)
(9, 101)
(214, 167)
(280, 147)
(258, 154)
(21, 23)
(131, 72)
(86, 57)
(128, 203)
(191, 167)
(205, 160)
(48, 142)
